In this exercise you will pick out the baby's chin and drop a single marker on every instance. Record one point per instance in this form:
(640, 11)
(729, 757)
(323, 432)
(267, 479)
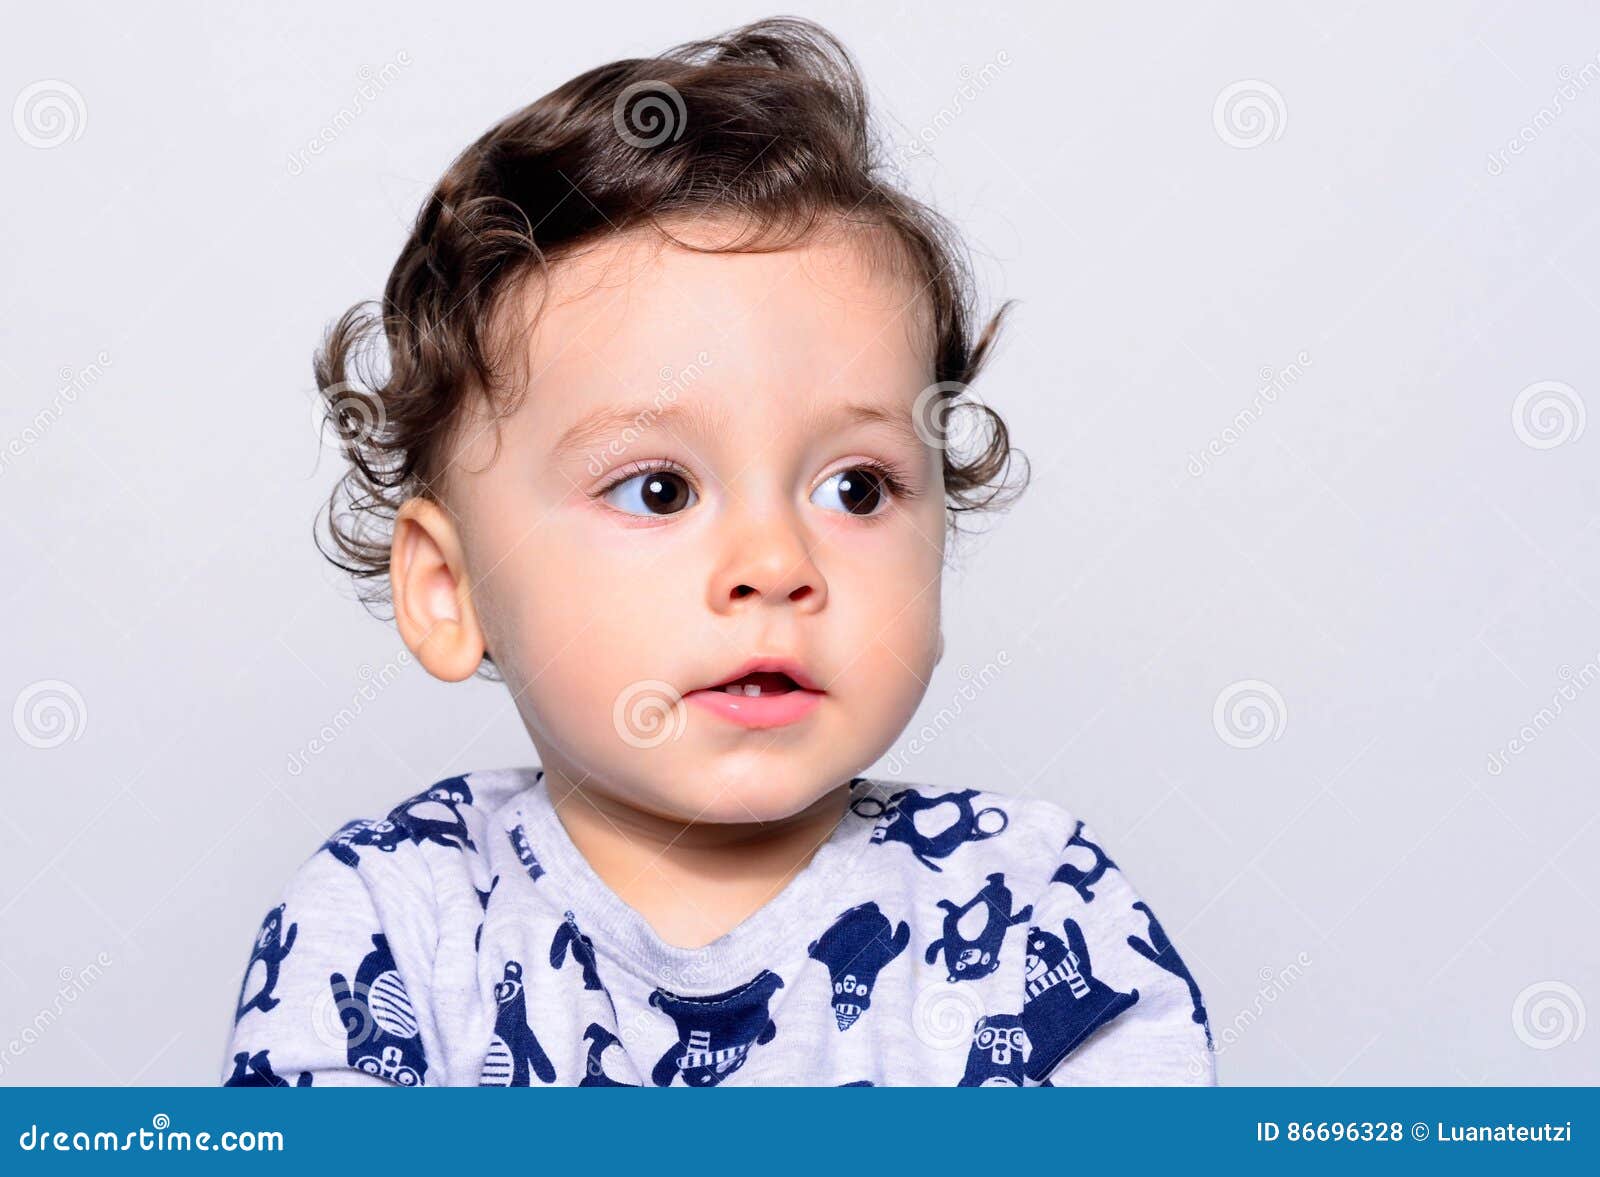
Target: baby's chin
(739, 793)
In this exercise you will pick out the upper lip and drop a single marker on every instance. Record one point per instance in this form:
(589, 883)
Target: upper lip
(777, 665)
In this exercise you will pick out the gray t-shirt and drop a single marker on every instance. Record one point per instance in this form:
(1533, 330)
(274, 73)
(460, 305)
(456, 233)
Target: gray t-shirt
(939, 937)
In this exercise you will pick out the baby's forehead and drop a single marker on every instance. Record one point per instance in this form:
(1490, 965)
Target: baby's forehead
(635, 312)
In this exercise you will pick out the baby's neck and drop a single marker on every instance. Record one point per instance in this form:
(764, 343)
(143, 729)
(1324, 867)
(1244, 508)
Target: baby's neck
(691, 882)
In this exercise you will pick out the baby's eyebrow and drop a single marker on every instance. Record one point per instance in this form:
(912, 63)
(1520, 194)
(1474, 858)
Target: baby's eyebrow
(591, 430)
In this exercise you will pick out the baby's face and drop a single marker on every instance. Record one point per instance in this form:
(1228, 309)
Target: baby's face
(696, 479)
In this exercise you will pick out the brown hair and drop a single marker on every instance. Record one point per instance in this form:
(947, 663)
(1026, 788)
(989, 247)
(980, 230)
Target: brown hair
(767, 124)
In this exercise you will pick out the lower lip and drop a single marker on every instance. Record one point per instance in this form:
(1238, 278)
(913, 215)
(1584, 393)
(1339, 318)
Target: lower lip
(759, 710)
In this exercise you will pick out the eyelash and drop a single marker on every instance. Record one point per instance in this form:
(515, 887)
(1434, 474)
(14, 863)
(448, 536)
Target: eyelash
(892, 477)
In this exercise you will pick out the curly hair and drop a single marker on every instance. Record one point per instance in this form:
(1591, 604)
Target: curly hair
(767, 124)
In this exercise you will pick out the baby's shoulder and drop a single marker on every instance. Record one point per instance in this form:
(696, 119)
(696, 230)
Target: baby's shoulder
(973, 830)
(448, 819)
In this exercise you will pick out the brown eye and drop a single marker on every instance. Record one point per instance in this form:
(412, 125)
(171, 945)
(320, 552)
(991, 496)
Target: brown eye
(655, 492)
(858, 491)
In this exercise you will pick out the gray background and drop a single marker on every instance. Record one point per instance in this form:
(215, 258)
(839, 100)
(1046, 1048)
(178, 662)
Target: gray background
(1406, 557)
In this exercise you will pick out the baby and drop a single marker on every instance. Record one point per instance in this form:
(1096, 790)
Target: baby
(664, 438)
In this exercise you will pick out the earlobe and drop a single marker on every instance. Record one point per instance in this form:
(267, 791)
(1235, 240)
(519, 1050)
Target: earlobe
(433, 607)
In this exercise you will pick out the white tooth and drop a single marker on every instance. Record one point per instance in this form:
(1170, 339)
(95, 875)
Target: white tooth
(734, 688)
(752, 691)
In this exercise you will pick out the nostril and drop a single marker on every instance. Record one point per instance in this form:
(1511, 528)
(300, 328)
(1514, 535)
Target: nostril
(801, 593)
(742, 590)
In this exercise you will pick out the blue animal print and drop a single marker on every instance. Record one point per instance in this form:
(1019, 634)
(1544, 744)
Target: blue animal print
(483, 903)
(999, 1053)
(270, 952)
(1082, 880)
(1160, 951)
(715, 1033)
(514, 1054)
(380, 1026)
(1064, 1002)
(897, 822)
(254, 1070)
(967, 958)
(525, 855)
(418, 815)
(385, 835)
(855, 948)
(594, 1072)
(569, 935)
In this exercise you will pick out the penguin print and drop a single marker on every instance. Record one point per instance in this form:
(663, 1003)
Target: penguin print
(855, 948)
(269, 951)
(594, 1072)
(380, 1026)
(254, 1070)
(715, 1033)
(1076, 878)
(420, 816)
(525, 855)
(1159, 951)
(514, 1053)
(569, 936)
(385, 835)
(967, 958)
(897, 822)
(1064, 1001)
(999, 1053)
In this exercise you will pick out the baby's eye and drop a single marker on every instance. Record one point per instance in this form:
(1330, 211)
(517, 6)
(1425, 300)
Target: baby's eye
(858, 491)
(655, 492)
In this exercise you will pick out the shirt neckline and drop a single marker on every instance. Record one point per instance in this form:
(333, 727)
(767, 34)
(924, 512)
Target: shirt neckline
(623, 934)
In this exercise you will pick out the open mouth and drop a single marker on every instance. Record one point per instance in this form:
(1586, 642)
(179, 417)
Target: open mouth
(762, 682)
(761, 695)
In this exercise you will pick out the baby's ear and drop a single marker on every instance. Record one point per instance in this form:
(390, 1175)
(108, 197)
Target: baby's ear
(432, 600)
